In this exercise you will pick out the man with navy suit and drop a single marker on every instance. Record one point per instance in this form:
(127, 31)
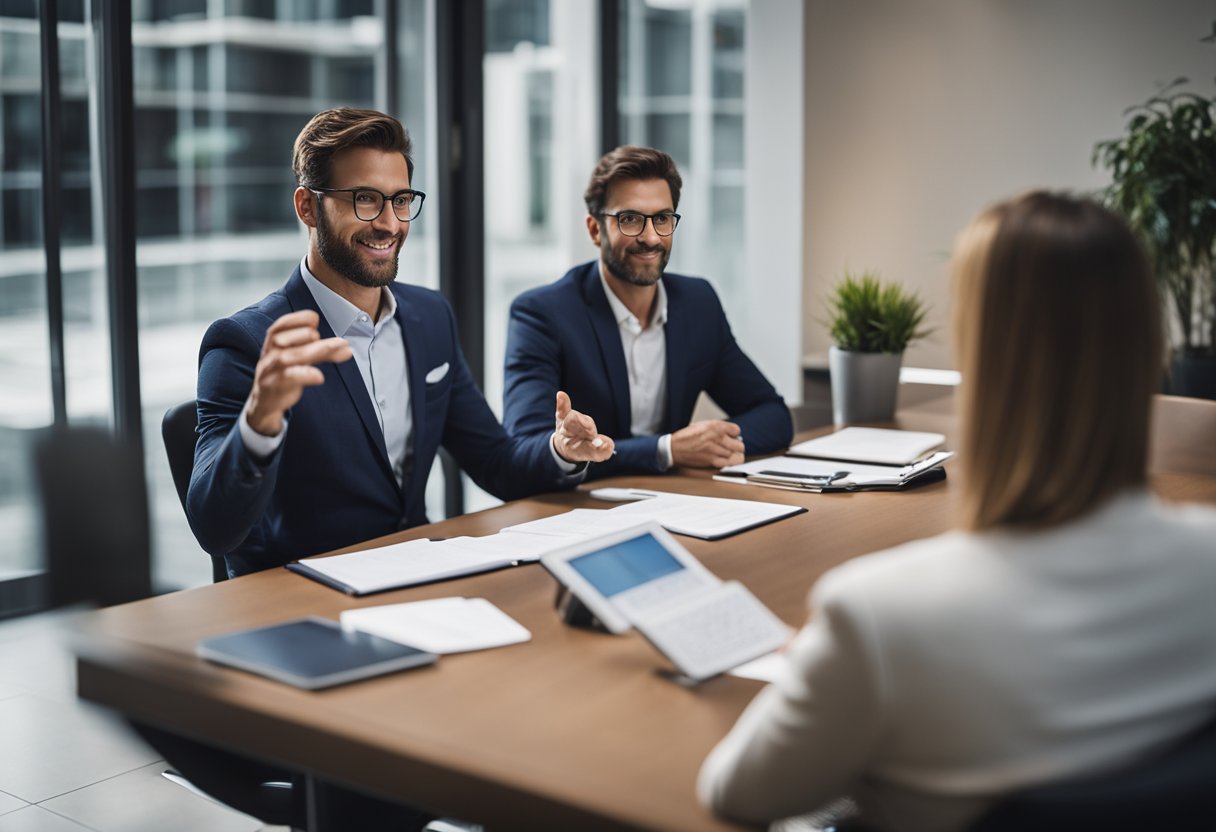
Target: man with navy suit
(302, 449)
(634, 346)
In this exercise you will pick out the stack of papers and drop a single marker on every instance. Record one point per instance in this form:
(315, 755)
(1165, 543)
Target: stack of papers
(414, 562)
(852, 459)
(878, 446)
(440, 625)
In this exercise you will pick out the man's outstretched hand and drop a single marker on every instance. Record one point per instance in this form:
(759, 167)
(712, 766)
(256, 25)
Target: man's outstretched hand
(575, 438)
(292, 348)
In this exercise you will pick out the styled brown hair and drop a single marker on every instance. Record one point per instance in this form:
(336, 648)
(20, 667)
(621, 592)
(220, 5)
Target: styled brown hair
(630, 162)
(1058, 335)
(332, 131)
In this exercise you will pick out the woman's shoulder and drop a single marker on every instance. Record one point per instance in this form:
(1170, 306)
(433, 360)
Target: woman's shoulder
(916, 563)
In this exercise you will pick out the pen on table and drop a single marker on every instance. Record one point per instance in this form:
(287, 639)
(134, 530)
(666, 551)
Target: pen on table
(622, 494)
(825, 478)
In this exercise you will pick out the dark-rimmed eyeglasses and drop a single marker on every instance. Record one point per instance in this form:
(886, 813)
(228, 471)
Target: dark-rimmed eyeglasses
(369, 202)
(632, 223)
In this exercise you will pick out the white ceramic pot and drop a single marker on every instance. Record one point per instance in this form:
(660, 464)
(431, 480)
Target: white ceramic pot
(864, 385)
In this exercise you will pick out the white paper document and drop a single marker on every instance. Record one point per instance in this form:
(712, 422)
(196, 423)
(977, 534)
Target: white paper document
(764, 669)
(874, 445)
(708, 518)
(520, 547)
(440, 625)
(578, 523)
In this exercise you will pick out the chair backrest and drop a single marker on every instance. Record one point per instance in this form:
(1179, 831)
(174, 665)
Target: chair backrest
(179, 430)
(1175, 790)
(1184, 435)
(95, 517)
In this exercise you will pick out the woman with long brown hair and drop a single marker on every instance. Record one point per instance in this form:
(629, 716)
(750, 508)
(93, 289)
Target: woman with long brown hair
(1066, 626)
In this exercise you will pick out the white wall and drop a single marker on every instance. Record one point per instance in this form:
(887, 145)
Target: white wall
(773, 142)
(918, 114)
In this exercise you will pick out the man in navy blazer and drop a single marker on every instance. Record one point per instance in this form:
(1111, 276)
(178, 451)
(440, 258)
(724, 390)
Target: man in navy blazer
(634, 346)
(301, 449)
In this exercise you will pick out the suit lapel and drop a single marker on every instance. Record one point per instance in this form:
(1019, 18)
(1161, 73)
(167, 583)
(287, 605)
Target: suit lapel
(608, 334)
(347, 371)
(678, 339)
(414, 340)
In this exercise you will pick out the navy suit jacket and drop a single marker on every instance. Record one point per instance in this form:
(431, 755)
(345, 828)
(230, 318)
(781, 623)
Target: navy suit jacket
(329, 484)
(564, 336)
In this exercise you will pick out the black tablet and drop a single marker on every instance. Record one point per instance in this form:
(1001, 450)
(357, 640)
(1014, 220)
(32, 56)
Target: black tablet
(311, 653)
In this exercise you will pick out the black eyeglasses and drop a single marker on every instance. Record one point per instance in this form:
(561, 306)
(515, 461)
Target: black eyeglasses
(369, 203)
(632, 224)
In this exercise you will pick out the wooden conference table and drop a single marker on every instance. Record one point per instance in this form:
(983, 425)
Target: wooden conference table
(573, 730)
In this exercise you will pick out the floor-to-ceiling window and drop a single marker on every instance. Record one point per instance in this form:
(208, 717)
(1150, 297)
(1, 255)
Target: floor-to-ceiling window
(25, 379)
(681, 90)
(539, 81)
(539, 85)
(221, 91)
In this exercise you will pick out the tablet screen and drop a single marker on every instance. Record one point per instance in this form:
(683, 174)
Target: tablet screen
(627, 564)
(311, 653)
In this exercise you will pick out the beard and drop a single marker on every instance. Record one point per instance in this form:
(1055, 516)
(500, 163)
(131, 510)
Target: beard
(620, 267)
(344, 257)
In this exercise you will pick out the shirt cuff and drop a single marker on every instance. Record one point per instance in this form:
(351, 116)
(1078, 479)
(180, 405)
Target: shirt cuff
(665, 461)
(567, 468)
(260, 447)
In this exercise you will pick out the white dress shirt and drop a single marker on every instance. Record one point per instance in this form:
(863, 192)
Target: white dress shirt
(646, 362)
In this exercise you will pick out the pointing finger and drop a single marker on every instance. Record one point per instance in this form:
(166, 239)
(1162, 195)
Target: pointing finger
(563, 405)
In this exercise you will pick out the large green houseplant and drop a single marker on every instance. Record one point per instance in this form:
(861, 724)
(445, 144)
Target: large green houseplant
(1163, 172)
(871, 324)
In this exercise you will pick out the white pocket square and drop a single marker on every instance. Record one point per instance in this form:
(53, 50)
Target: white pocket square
(438, 373)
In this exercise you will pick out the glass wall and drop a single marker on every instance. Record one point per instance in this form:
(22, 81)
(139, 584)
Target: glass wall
(221, 88)
(681, 90)
(25, 378)
(221, 91)
(539, 77)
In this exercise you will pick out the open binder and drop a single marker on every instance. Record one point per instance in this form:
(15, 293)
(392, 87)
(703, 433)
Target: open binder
(824, 475)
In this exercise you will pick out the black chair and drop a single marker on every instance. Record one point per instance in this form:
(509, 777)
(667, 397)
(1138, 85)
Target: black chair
(179, 430)
(95, 517)
(1174, 790)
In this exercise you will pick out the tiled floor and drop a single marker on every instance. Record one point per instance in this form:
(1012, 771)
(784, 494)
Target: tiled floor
(67, 766)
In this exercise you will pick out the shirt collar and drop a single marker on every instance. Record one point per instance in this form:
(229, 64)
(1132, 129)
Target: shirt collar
(626, 318)
(340, 313)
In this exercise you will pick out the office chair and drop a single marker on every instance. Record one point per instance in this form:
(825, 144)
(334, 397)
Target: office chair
(1175, 790)
(179, 430)
(95, 517)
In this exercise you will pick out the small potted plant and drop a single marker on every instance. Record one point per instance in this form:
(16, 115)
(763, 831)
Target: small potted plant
(871, 324)
(1163, 172)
